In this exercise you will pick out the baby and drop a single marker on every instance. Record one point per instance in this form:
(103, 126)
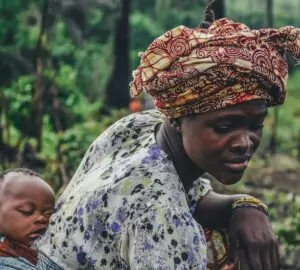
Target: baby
(26, 204)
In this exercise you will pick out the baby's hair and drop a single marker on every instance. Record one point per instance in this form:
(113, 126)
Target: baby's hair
(19, 171)
(209, 15)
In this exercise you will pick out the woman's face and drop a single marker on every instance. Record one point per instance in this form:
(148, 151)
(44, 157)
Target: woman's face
(222, 142)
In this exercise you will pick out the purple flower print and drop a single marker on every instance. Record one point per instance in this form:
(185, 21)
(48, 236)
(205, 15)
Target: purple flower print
(122, 214)
(147, 245)
(87, 235)
(115, 227)
(99, 227)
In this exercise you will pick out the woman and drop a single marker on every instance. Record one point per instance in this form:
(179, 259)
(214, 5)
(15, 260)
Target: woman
(135, 198)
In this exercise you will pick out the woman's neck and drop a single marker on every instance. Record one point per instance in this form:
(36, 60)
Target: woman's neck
(171, 142)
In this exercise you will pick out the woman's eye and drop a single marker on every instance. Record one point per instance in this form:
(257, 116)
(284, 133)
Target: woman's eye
(223, 128)
(257, 126)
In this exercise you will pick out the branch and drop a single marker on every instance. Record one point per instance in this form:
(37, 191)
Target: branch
(37, 99)
(16, 61)
(39, 44)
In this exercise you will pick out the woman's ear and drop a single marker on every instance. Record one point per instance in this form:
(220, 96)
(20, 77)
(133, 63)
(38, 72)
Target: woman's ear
(176, 124)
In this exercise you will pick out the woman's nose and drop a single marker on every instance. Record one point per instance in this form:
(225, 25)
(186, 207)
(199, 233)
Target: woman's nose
(242, 143)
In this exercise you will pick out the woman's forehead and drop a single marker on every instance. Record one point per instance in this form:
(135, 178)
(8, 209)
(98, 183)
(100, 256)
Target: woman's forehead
(251, 109)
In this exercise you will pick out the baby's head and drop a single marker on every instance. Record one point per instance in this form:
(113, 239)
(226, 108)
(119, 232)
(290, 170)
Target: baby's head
(26, 204)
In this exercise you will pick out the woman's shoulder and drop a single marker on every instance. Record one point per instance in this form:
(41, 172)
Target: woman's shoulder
(143, 120)
(136, 124)
(118, 151)
(125, 135)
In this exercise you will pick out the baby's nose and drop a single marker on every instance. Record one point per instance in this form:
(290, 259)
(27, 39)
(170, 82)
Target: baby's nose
(41, 219)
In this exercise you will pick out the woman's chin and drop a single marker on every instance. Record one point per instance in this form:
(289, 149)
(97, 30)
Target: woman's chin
(230, 178)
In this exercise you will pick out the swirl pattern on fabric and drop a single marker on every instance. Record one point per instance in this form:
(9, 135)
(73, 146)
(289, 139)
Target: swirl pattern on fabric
(190, 71)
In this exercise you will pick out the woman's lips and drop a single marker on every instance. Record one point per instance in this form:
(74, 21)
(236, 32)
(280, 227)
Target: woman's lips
(237, 166)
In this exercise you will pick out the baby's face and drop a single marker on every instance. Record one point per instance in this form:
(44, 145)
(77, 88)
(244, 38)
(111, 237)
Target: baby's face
(26, 204)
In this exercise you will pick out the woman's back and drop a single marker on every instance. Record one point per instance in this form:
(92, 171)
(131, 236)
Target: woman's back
(124, 199)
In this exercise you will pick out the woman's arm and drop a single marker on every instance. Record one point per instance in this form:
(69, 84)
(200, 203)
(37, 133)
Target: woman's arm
(249, 230)
(214, 210)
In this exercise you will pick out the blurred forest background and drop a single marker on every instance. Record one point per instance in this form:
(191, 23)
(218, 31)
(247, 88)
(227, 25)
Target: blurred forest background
(65, 66)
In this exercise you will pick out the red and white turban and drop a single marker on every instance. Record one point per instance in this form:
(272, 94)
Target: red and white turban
(191, 71)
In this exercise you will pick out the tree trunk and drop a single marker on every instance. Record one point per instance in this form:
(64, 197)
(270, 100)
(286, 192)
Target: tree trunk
(117, 89)
(269, 13)
(37, 111)
(219, 9)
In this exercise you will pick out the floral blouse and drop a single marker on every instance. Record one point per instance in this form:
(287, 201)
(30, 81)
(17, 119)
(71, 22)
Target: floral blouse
(126, 208)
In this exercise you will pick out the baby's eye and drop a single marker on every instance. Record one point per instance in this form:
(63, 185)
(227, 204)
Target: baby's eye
(47, 214)
(26, 212)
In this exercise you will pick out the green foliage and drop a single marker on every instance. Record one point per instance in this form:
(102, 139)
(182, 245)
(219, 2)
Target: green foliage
(288, 231)
(253, 12)
(75, 141)
(288, 137)
(19, 96)
(75, 75)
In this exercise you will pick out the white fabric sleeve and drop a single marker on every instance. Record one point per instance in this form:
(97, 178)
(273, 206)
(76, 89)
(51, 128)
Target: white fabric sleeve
(164, 238)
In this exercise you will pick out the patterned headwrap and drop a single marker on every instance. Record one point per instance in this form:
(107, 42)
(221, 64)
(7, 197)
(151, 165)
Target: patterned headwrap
(190, 71)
